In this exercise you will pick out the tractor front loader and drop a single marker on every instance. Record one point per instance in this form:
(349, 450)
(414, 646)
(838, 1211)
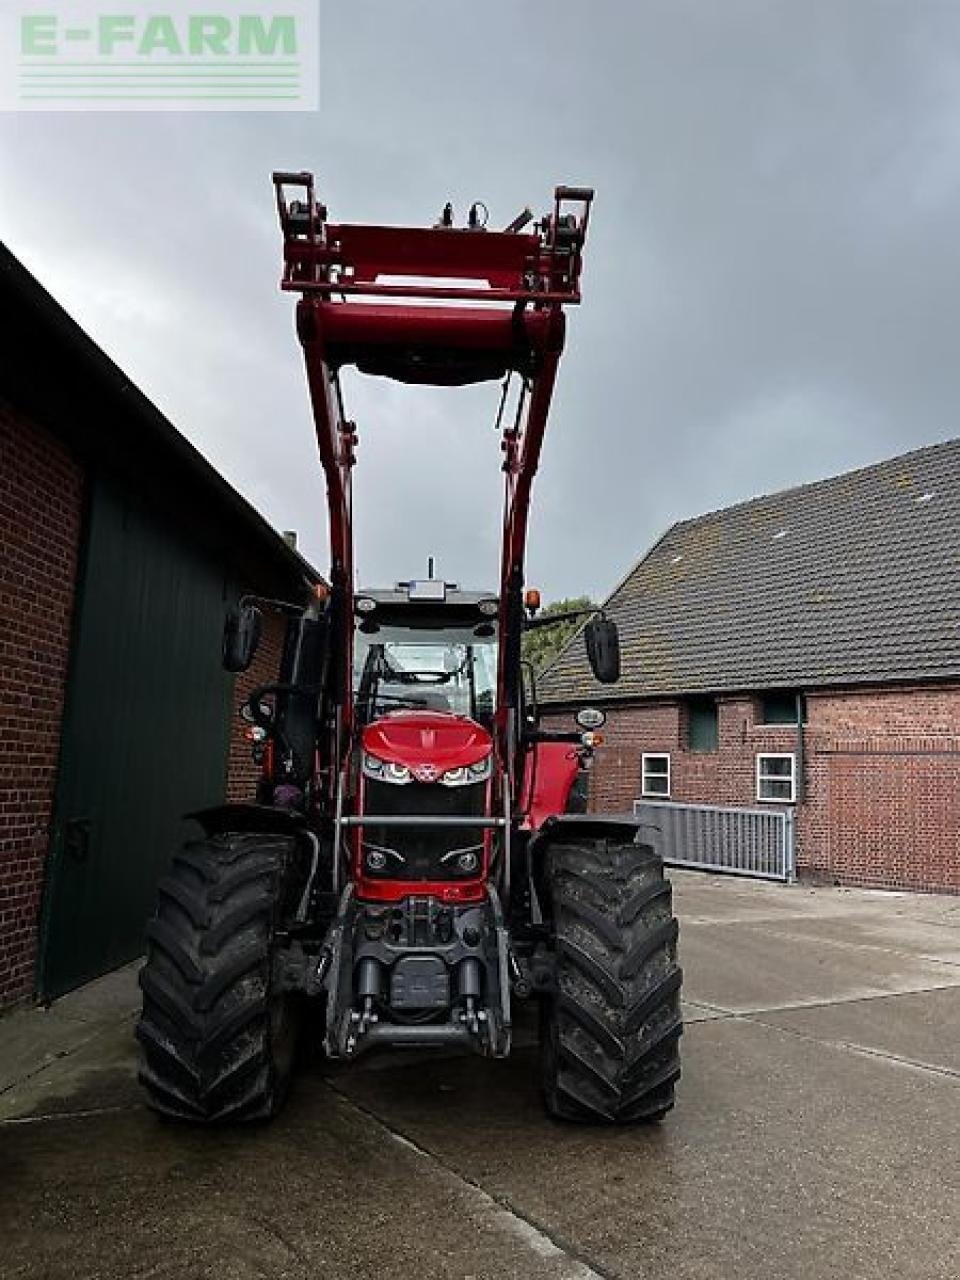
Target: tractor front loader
(420, 857)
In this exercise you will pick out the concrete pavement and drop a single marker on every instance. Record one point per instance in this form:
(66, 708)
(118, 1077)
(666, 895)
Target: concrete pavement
(817, 1132)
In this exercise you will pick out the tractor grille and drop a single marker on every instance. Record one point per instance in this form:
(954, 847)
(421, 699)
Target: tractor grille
(423, 848)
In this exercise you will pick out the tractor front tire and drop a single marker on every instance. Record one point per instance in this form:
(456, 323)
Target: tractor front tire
(218, 1041)
(610, 1030)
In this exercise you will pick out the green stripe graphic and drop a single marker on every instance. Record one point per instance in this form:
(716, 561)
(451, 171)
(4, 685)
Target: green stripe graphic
(213, 77)
(161, 97)
(171, 80)
(105, 62)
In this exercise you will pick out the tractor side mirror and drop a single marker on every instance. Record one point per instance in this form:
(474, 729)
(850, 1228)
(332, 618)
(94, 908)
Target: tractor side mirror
(241, 635)
(603, 649)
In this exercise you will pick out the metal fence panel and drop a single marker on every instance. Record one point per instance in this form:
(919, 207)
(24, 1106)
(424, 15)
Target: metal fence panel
(745, 842)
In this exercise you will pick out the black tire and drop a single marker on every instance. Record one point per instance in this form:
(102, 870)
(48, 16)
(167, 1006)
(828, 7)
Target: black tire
(610, 1031)
(218, 1043)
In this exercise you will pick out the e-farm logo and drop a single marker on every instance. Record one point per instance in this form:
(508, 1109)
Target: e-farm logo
(172, 55)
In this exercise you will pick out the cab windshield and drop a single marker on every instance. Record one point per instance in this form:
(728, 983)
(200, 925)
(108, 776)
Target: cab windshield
(422, 668)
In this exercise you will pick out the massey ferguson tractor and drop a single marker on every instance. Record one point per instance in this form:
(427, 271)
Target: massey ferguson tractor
(419, 859)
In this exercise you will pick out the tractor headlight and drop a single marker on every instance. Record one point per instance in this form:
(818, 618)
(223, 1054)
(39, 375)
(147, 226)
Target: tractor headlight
(463, 775)
(385, 770)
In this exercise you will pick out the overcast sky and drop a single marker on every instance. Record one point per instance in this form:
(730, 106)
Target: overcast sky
(771, 286)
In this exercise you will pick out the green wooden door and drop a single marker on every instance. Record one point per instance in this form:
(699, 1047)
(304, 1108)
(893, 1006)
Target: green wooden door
(145, 731)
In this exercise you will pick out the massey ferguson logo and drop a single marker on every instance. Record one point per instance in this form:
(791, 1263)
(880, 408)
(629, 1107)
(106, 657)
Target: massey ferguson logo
(426, 773)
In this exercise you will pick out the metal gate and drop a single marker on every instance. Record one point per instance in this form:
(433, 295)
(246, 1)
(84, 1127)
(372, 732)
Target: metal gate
(743, 842)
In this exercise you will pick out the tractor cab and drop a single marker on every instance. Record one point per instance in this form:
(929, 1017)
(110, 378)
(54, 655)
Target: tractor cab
(425, 659)
(425, 646)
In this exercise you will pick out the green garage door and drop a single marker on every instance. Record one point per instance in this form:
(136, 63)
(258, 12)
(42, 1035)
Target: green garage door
(145, 731)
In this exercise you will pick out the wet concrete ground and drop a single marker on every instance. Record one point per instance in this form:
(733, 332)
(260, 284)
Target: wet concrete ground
(817, 1132)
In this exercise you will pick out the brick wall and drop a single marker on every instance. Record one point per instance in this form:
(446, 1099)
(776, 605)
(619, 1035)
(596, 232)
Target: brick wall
(881, 800)
(40, 511)
(887, 789)
(724, 776)
(242, 773)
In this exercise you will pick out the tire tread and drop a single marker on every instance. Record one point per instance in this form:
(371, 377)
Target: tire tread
(611, 1030)
(205, 1028)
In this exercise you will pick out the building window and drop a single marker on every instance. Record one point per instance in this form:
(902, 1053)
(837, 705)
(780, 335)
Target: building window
(702, 733)
(655, 776)
(777, 776)
(779, 706)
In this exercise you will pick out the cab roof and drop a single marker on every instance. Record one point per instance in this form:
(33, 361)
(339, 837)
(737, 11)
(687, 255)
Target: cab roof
(426, 591)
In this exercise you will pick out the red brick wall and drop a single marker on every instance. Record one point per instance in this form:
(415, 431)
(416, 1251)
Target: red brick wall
(881, 803)
(887, 807)
(724, 776)
(40, 511)
(242, 773)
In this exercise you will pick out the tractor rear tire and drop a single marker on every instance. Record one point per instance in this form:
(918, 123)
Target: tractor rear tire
(610, 1030)
(218, 1041)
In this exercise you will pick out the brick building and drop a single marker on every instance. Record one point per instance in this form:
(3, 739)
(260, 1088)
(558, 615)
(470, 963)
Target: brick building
(799, 650)
(120, 549)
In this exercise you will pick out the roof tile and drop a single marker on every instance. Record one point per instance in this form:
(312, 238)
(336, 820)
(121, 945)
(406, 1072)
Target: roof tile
(846, 581)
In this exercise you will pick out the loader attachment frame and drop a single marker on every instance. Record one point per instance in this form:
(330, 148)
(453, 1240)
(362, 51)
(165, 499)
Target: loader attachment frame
(441, 306)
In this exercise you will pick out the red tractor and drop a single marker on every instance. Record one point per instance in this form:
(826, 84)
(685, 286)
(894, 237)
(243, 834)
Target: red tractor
(420, 857)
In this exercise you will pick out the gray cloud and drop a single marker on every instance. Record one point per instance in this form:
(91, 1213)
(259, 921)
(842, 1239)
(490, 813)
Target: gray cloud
(772, 285)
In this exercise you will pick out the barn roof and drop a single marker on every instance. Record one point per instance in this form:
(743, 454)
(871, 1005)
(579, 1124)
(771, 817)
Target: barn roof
(852, 580)
(56, 373)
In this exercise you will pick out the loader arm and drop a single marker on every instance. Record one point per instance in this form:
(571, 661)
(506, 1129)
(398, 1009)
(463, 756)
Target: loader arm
(437, 306)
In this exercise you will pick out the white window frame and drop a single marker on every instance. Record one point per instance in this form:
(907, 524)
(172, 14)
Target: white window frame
(766, 777)
(654, 755)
